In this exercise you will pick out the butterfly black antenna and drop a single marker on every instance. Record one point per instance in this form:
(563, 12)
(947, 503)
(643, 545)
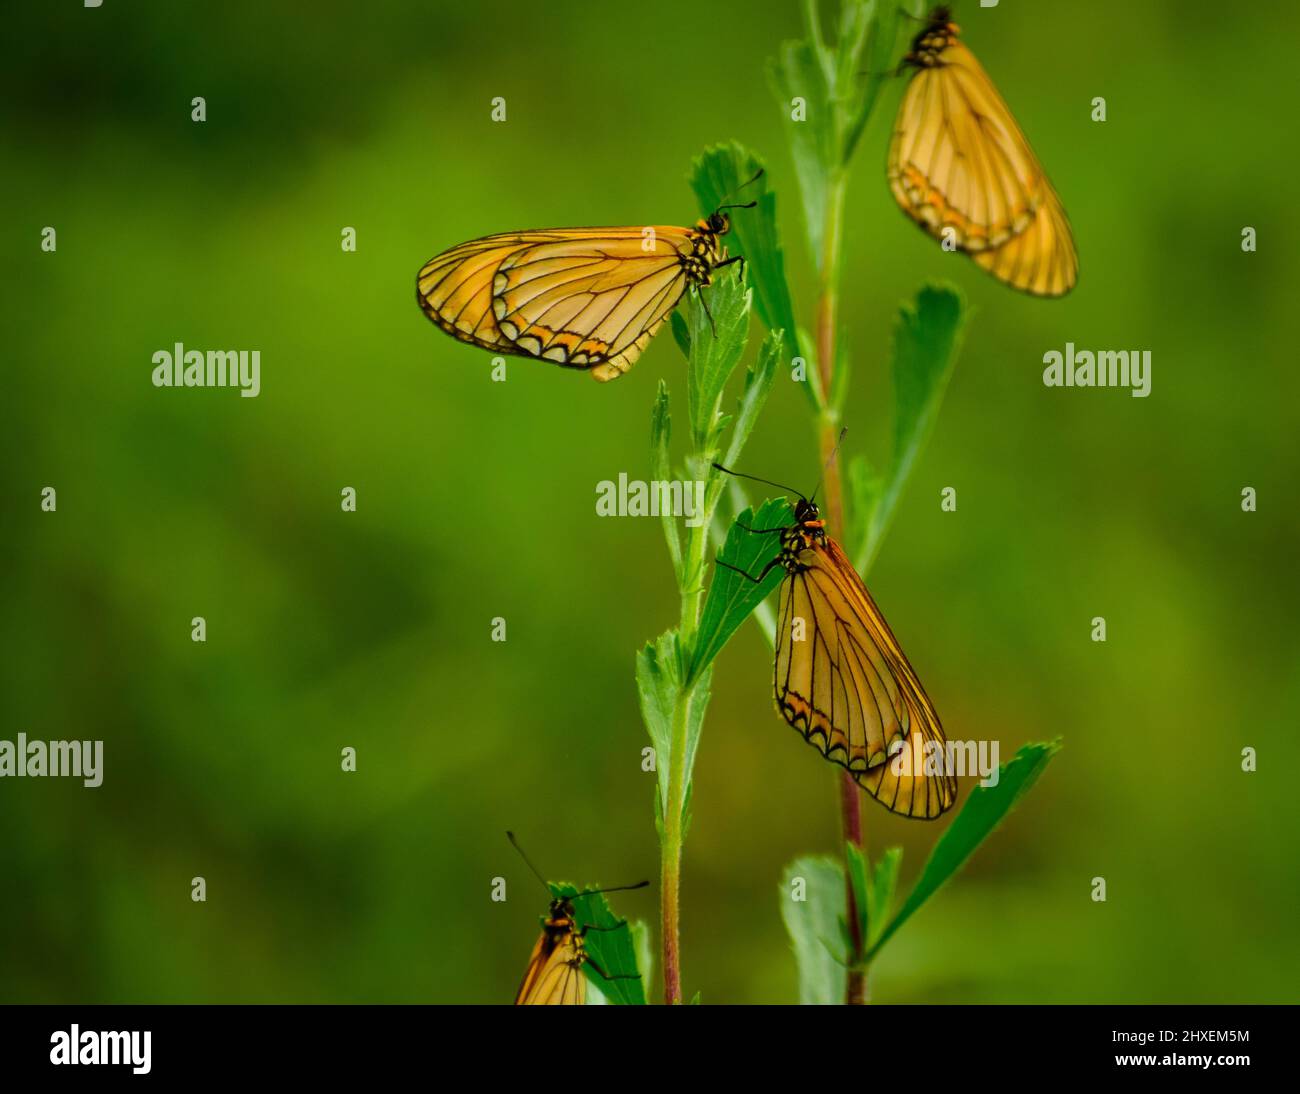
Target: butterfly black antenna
(746, 205)
(515, 843)
(755, 478)
(830, 459)
(614, 889)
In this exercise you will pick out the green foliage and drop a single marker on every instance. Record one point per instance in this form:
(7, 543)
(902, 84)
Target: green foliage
(927, 335)
(796, 74)
(658, 682)
(717, 321)
(614, 950)
(815, 925)
(811, 925)
(838, 85)
(758, 386)
(731, 595)
(981, 814)
(657, 686)
(661, 432)
(724, 174)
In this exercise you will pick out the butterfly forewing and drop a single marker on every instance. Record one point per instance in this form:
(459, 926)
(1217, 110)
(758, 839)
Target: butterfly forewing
(849, 689)
(554, 976)
(961, 168)
(588, 298)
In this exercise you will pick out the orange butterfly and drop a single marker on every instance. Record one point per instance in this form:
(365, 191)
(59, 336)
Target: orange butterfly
(840, 677)
(554, 976)
(960, 167)
(585, 298)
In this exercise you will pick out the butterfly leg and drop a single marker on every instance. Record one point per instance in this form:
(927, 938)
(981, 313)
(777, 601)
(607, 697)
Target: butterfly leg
(729, 261)
(705, 304)
(755, 580)
(606, 976)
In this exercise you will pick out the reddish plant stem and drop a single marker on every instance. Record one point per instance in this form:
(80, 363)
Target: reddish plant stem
(827, 321)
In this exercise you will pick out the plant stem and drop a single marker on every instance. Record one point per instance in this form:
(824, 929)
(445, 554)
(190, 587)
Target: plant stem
(827, 322)
(671, 862)
(674, 817)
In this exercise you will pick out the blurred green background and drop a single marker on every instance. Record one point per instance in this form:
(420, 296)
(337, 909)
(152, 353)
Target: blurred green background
(476, 500)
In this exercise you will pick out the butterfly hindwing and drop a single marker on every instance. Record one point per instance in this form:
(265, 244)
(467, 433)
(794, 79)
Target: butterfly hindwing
(554, 976)
(849, 689)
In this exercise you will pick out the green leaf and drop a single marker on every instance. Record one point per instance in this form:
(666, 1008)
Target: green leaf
(863, 491)
(859, 867)
(926, 338)
(873, 890)
(732, 596)
(717, 177)
(812, 384)
(797, 73)
(879, 62)
(880, 894)
(613, 950)
(813, 925)
(716, 348)
(643, 947)
(661, 430)
(681, 333)
(983, 811)
(758, 386)
(656, 684)
(659, 687)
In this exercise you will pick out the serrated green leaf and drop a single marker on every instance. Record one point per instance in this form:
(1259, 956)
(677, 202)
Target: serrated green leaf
(880, 894)
(681, 334)
(812, 384)
(983, 811)
(722, 175)
(732, 596)
(813, 925)
(926, 338)
(758, 386)
(864, 486)
(797, 73)
(612, 950)
(661, 429)
(718, 320)
(657, 687)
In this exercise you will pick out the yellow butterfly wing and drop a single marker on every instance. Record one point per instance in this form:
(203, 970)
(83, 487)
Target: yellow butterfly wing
(588, 298)
(961, 168)
(554, 976)
(848, 688)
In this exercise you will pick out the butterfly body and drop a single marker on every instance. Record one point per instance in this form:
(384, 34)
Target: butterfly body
(961, 168)
(584, 298)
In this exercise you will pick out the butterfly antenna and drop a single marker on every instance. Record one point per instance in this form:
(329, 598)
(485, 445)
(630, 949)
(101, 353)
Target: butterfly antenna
(830, 460)
(746, 205)
(614, 889)
(755, 478)
(515, 843)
